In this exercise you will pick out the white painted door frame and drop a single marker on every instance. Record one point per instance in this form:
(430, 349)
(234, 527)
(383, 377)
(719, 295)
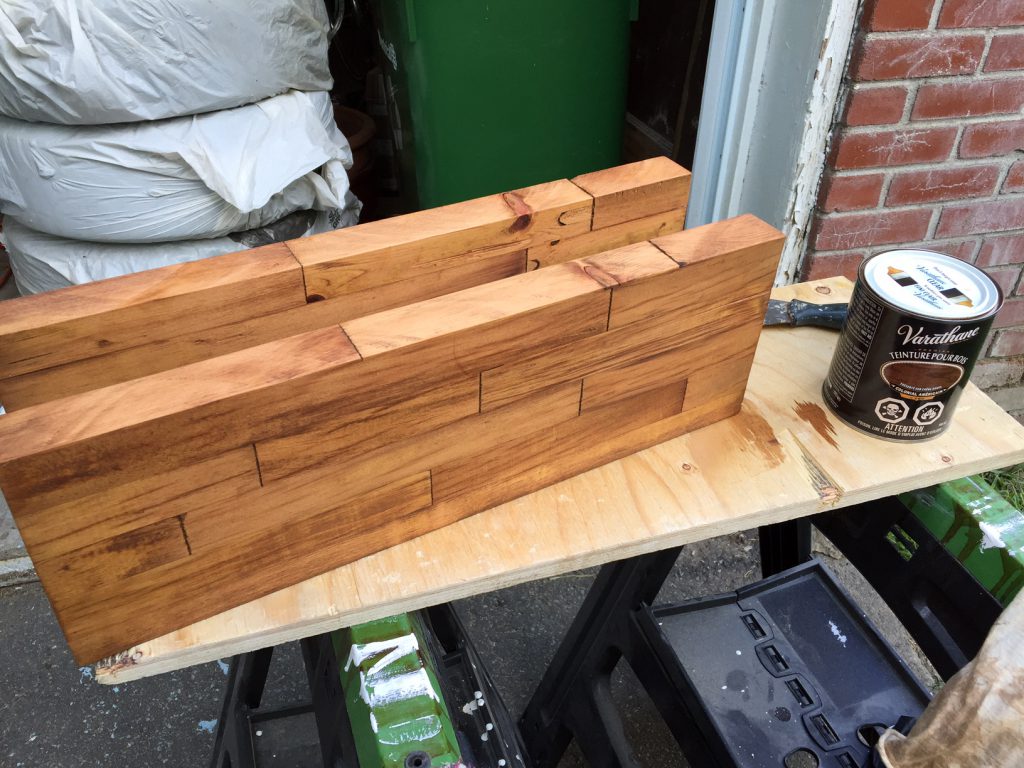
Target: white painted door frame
(775, 69)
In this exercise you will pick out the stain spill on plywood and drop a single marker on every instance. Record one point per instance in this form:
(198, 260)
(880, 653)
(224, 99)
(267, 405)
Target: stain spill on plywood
(815, 415)
(759, 434)
(826, 488)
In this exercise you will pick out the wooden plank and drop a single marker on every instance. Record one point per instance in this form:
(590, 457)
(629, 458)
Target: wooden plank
(97, 319)
(631, 264)
(333, 415)
(741, 234)
(415, 245)
(626, 381)
(752, 247)
(747, 470)
(537, 459)
(159, 356)
(68, 342)
(684, 330)
(52, 528)
(635, 190)
(458, 440)
(97, 566)
(125, 364)
(607, 238)
(365, 429)
(446, 278)
(293, 501)
(361, 526)
(664, 307)
(705, 384)
(107, 437)
(484, 326)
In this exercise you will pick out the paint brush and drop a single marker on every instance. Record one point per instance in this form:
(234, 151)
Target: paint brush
(796, 312)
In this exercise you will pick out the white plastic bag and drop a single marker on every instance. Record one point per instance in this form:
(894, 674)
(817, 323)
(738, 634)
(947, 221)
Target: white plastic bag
(90, 62)
(43, 262)
(186, 178)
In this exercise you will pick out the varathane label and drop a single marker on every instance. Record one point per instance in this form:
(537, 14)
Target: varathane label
(897, 373)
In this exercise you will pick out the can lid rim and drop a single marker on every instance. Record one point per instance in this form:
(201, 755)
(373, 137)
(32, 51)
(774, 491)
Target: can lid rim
(988, 292)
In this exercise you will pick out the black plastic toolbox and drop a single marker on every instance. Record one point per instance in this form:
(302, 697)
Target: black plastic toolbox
(784, 672)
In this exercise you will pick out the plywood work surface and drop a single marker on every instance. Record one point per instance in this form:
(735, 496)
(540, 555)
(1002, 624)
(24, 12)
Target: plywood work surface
(783, 456)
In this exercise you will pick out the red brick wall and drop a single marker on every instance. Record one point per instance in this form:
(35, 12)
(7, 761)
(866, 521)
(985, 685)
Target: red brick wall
(930, 152)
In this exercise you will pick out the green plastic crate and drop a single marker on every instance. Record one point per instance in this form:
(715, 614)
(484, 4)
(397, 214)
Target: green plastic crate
(978, 527)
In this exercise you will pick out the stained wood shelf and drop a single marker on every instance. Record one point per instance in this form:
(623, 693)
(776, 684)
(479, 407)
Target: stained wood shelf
(187, 439)
(782, 457)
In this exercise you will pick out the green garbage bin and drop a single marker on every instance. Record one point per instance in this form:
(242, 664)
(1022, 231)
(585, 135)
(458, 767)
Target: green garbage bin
(491, 95)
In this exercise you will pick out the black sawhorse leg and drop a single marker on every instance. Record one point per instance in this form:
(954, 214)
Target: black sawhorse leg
(573, 696)
(233, 747)
(337, 745)
(784, 545)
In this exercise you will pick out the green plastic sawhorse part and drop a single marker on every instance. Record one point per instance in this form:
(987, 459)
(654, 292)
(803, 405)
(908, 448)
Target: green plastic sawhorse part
(978, 527)
(395, 705)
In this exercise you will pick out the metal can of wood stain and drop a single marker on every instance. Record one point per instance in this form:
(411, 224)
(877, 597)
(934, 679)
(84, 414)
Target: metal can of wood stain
(916, 325)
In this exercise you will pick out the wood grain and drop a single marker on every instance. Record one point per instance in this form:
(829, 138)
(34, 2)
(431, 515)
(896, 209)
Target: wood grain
(530, 459)
(362, 525)
(383, 427)
(633, 191)
(97, 566)
(418, 244)
(53, 527)
(177, 350)
(458, 440)
(760, 466)
(364, 429)
(107, 437)
(487, 322)
(598, 240)
(82, 338)
(681, 330)
(99, 318)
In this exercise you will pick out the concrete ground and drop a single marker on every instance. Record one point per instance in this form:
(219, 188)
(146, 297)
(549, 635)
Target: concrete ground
(54, 715)
(15, 566)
